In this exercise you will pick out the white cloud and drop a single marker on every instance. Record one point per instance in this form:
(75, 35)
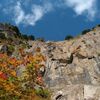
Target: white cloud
(37, 12)
(80, 7)
(29, 12)
(19, 13)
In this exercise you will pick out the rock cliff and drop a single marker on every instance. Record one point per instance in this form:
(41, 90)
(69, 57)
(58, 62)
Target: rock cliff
(73, 67)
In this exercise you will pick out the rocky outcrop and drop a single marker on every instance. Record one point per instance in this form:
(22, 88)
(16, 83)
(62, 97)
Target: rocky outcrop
(73, 67)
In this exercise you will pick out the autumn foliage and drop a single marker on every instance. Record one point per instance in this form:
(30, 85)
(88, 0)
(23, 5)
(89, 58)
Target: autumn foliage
(19, 84)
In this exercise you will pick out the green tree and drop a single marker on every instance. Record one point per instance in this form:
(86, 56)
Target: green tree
(31, 37)
(2, 36)
(68, 37)
(85, 31)
(24, 36)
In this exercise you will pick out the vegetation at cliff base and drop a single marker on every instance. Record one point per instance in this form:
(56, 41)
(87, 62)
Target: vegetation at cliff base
(20, 78)
(20, 74)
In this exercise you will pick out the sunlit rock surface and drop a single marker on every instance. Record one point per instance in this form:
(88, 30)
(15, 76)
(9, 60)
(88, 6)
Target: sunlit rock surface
(73, 67)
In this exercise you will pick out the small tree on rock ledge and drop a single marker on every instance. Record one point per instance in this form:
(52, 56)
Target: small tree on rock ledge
(68, 37)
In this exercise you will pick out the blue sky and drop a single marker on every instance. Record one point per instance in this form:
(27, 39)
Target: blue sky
(51, 19)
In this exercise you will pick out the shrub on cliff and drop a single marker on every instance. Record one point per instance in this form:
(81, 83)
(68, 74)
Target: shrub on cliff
(68, 37)
(85, 31)
(2, 36)
(17, 83)
(31, 37)
(40, 39)
(26, 37)
(98, 25)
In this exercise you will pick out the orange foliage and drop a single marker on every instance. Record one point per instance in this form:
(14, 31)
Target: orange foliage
(9, 65)
(3, 76)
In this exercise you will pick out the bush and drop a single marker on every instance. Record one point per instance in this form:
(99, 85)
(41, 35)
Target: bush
(24, 36)
(85, 31)
(68, 37)
(2, 36)
(41, 39)
(98, 25)
(20, 85)
(42, 92)
(15, 28)
(31, 37)
(11, 49)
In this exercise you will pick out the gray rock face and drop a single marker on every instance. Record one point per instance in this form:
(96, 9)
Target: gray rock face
(77, 92)
(73, 67)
